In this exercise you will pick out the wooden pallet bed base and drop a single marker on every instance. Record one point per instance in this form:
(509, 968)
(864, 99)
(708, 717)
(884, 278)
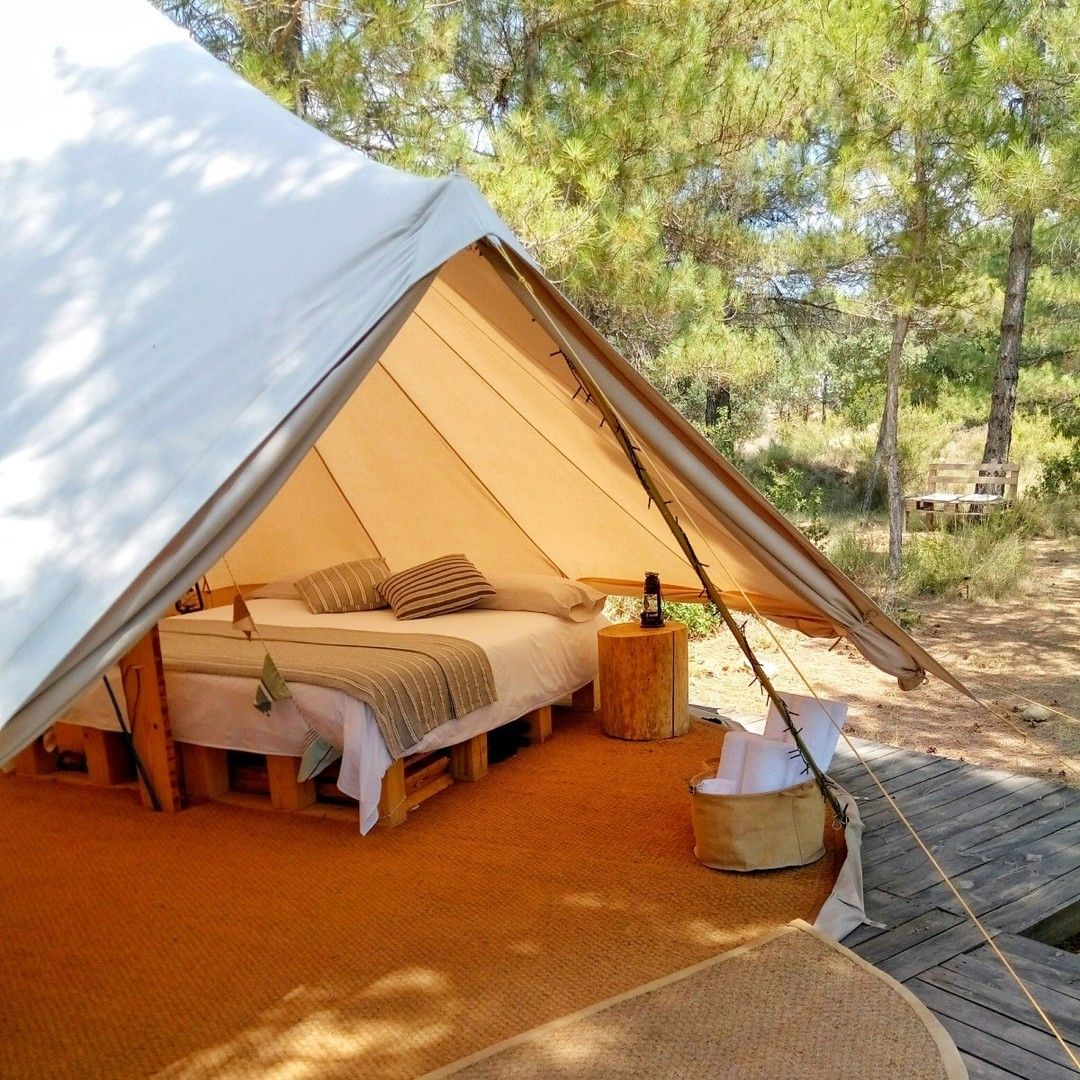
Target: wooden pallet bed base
(211, 773)
(408, 782)
(107, 759)
(950, 497)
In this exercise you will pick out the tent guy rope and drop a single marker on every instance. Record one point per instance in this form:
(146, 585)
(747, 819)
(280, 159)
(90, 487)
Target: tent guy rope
(903, 818)
(892, 804)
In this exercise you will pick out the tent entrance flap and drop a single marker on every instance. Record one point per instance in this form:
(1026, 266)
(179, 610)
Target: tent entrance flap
(775, 559)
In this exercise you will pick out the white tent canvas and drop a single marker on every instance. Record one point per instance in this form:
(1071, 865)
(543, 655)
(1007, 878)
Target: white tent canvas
(229, 337)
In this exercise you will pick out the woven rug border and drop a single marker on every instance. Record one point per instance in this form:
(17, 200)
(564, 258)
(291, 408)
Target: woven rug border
(950, 1056)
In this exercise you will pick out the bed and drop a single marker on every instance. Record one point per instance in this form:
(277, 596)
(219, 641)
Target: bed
(536, 659)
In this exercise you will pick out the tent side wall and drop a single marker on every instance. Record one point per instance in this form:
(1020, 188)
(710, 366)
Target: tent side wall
(206, 536)
(462, 438)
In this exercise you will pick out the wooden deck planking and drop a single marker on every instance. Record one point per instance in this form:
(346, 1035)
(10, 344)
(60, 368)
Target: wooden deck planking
(985, 979)
(998, 882)
(1042, 964)
(988, 882)
(938, 823)
(992, 1047)
(912, 872)
(982, 825)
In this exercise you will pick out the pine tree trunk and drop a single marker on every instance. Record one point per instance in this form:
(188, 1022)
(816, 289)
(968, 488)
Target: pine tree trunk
(875, 466)
(892, 446)
(530, 68)
(717, 397)
(712, 403)
(285, 41)
(1003, 402)
(920, 229)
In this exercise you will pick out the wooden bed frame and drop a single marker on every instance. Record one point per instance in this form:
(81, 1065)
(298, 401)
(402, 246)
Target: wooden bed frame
(183, 770)
(210, 773)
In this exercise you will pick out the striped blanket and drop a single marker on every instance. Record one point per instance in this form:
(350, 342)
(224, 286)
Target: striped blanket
(413, 682)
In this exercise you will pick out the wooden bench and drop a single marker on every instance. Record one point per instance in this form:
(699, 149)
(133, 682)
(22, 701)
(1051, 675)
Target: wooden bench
(962, 493)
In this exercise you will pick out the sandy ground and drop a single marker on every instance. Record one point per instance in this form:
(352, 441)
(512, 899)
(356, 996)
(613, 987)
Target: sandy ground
(1009, 653)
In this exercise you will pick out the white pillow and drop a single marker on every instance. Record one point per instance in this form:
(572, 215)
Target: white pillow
(545, 593)
(282, 589)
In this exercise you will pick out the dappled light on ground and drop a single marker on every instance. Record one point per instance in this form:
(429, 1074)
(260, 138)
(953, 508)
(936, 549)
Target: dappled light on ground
(235, 943)
(1027, 646)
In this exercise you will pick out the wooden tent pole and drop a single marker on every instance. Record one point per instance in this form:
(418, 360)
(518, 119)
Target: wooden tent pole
(609, 416)
(143, 677)
(656, 496)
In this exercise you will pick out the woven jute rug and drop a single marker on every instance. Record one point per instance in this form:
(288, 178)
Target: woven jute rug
(792, 1004)
(231, 943)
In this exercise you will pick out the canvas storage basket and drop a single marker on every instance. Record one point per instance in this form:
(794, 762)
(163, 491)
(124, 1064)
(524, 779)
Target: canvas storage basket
(758, 832)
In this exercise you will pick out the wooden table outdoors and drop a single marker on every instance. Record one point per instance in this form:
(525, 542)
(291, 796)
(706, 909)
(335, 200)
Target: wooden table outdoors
(644, 685)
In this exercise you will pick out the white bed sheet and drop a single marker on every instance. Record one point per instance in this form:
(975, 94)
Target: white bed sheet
(535, 659)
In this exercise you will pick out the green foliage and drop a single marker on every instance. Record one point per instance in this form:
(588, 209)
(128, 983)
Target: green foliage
(1048, 516)
(860, 560)
(711, 360)
(1027, 69)
(786, 487)
(978, 562)
(1061, 475)
(731, 428)
(702, 620)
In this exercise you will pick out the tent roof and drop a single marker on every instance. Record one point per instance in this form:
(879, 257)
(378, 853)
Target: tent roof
(201, 281)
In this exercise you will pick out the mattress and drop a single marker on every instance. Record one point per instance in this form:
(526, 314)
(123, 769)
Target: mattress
(535, 659)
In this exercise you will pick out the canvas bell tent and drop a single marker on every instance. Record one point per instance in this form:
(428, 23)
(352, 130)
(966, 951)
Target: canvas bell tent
(233, 347)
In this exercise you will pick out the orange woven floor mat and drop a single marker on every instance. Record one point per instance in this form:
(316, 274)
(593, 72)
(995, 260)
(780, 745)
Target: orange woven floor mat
(232, 943)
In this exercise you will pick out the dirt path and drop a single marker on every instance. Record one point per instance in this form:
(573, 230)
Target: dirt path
(1028, 645)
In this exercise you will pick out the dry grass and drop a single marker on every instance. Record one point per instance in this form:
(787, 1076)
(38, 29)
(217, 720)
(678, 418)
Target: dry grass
(1023, 647)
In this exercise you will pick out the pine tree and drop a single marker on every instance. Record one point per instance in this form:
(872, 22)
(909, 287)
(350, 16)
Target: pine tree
(895, 130)
(1031, 169)
(644, 152)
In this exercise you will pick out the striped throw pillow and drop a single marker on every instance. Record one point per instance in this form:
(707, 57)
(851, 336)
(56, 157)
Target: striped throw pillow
(350, 586)
(438, 587)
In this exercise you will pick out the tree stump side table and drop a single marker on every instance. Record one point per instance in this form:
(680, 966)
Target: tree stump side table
(644, 687)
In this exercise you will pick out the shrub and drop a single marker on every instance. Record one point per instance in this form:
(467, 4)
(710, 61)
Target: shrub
(786, 489)
(1061, 474)
(934, 564)
(984, 561)
(702, 620)
(857, 557)
(1048, 517)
